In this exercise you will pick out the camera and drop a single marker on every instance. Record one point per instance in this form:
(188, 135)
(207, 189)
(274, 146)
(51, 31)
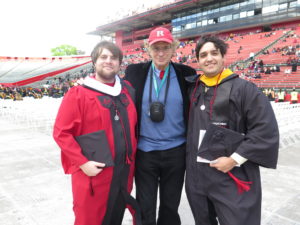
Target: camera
(157, 111)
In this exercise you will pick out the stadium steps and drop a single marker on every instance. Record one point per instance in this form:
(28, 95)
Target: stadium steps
(277, 57)
(261, 46)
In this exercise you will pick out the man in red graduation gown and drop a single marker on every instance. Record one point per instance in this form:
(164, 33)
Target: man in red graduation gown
(103, 105)
(232, 131)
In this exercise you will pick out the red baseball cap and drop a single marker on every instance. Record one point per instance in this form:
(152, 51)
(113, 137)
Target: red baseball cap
(160, 34)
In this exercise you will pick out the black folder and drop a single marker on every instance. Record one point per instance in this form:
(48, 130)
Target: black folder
(95, 147)
(218, 142)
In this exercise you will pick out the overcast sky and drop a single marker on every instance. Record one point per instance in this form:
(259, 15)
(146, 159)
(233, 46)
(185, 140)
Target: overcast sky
(33, 27)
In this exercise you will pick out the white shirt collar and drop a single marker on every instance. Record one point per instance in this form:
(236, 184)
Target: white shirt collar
(97, 85)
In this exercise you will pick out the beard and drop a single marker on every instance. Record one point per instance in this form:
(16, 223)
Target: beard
(106, 76)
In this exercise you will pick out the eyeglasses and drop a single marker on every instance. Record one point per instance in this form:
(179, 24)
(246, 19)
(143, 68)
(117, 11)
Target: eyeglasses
(163, 49)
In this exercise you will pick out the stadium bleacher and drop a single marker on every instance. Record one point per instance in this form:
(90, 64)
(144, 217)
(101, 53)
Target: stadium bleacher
(270, 47)
(278, 57)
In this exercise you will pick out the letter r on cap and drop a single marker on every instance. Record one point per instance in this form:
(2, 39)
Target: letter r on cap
(160, 33)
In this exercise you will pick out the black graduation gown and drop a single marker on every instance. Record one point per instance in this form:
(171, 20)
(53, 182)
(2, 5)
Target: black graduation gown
(240, 107)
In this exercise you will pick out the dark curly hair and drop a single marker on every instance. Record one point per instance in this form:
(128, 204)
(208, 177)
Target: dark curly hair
(218, 43)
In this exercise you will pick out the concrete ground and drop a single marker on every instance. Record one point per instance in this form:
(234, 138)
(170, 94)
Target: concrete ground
(35, 191)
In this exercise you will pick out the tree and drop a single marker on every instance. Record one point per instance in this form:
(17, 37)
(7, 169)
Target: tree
(64, 50)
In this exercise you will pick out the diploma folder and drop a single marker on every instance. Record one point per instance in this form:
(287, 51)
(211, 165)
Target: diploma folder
(218, 142)
(95, 147)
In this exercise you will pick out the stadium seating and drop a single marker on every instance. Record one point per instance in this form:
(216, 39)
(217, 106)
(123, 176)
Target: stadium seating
(240, 46)
(277, 57)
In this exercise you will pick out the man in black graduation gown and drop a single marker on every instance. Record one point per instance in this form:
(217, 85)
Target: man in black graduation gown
(232, 131)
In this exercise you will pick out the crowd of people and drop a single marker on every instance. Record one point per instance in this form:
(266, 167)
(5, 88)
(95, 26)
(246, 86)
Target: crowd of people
(18, 93)
(56, 87)
(291, 49)
(288, 46)
(256, 68)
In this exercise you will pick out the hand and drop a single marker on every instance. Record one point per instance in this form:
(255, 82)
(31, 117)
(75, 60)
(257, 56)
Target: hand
(92, 168)
(224, 164)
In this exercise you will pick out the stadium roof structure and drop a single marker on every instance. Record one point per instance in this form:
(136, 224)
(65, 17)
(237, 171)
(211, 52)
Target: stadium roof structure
(142, 20)
(182, 16)
(19, 71)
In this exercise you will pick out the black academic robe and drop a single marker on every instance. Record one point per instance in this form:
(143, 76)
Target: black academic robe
(240, 107)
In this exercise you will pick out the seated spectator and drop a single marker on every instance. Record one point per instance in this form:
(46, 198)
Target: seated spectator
(261, 63)
(268, 71)
(294, 65)
(2, 95)
(251, 56)
(257, 76)
(17, 97)
(273, 69)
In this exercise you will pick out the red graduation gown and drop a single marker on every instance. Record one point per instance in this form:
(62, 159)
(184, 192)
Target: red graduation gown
(82, 111)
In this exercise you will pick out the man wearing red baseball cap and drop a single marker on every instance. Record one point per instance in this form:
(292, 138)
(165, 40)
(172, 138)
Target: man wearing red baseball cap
(160, 34)
(162, 106)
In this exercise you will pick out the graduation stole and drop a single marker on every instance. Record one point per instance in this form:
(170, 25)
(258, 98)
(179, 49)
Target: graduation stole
(219, 103)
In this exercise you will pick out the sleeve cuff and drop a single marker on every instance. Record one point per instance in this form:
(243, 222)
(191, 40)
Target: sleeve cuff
(238, 158)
